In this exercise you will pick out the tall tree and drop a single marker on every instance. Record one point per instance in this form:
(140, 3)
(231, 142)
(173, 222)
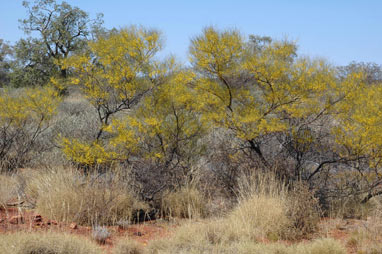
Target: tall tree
(58, 30)
(372, 72)
(116, 72)
(5, 51)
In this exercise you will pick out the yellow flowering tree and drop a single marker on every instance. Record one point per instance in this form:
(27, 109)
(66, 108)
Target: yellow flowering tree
(116, 72)
(142, 104)
(24, 116)
(253, 89)
(359, 132)
(167, 132)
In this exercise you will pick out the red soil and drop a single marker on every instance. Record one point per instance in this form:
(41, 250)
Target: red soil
(142, 233)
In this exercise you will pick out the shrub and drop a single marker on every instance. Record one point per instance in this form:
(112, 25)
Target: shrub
(25, 115)
(186, 202)
(127, 246)
(75, 119)
(100, 234)
(46, 243)
(94, 199)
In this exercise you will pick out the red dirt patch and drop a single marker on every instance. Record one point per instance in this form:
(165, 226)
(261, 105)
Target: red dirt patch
(142, 233)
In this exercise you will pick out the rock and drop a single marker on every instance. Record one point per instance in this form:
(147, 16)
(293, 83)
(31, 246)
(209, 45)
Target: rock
(17, 219)
(1, 220)
(73, 225)
(37, 218)
(39, 224)
(138, 233)
(51, 222)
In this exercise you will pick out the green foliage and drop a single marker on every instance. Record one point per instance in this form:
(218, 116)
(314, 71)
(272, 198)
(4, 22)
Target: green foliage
(32, 65)
(62, 30)
(5, 53)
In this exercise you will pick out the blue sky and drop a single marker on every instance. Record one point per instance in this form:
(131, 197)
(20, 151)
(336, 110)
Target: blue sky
(339, 30)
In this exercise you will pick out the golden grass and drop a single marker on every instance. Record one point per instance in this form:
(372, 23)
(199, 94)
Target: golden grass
(186, 202)
(46, 243)
(318, 246)
(127, 246)
(367, 237)
(8, 189)
(263, 212)
(69, 196)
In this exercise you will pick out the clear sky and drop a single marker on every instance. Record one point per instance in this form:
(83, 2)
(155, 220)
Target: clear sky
(338, 30)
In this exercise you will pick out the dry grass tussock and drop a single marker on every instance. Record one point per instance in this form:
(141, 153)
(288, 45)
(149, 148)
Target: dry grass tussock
(69, 196)
(128, 246)
(318, 246)
(186, 202)
(8, 189)
(46, 243)
(262, 208)
(267, 209)
(367, 237)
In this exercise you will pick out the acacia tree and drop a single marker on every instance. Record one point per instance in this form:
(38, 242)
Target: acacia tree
(359, 133)
(116, 72)
(24, 116)
(252, 91)
(274, 106)
(144, 108)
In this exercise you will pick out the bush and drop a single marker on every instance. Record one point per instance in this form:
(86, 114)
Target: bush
(75, 119)
(46, 243)
(95, 199)
(127, 246)
(186, 202)
(100, 234)
(25, 115)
